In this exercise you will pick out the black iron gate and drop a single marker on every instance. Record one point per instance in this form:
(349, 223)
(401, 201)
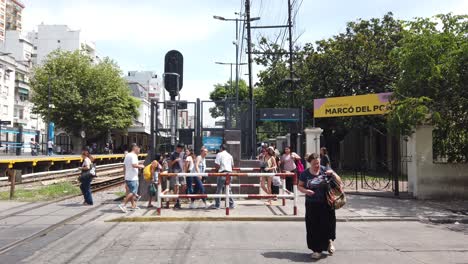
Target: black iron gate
(371, 163)
(198, 120)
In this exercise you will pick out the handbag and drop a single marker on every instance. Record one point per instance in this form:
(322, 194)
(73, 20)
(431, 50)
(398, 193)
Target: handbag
(92, 170)
(335, 196)
(153, 190)
(299, 167)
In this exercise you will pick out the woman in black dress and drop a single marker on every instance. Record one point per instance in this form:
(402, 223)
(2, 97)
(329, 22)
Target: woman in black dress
(320, 216)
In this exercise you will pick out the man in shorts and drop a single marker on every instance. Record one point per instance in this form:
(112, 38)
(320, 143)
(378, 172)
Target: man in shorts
(178, 184)
(131, 166)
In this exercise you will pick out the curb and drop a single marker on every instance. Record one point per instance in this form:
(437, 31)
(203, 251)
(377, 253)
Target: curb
(255, 219)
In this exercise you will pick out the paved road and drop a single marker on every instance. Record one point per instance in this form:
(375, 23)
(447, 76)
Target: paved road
(90, 240)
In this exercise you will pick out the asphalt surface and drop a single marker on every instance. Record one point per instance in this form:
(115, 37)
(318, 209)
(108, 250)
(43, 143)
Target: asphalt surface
(92, 240)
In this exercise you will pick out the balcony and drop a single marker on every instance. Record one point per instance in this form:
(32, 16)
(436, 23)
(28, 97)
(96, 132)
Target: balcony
(19, 102)
(22, 85)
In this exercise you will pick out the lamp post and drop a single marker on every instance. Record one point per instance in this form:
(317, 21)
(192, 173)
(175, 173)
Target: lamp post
(237, 20)
(237, 78)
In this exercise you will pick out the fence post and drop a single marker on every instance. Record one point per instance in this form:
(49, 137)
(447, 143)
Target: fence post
(12, 175)
(226, 185)
(159, 203)
(283, 183)
(295, 193)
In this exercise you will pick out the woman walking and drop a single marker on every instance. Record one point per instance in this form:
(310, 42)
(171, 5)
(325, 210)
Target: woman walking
(320, 216)
(200, 166)
(270, 167)
(288, 164)
(86, 177)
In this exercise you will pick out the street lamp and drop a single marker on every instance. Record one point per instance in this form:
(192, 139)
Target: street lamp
(237, 85)
(237, 20)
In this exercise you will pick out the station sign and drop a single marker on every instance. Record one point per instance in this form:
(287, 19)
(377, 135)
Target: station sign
(358, 105)
(279, 114)
(4, 122)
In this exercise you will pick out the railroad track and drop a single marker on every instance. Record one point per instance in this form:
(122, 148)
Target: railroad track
(65, 175)
(99, 184)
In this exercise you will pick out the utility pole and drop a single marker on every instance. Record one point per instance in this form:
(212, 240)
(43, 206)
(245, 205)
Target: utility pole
(249, 56)
(291, 72)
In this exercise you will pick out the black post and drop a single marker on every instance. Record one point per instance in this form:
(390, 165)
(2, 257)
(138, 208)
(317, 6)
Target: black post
(249, 55)
(291, 73)
(152, 149)
(237, 71)
(395, 164)
(48, 112)
(19, 140)
(0, 133)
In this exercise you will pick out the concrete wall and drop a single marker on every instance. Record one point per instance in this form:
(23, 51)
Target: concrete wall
(429, 180)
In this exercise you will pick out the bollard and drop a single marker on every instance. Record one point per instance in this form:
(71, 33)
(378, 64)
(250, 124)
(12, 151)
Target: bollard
(226, 185)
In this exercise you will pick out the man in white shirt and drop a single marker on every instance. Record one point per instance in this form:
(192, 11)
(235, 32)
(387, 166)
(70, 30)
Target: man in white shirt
(223, 163)
(50, 147)
(131, 166)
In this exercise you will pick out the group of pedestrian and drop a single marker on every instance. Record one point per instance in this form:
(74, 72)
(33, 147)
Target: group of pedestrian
(185, 160)
(271, 161)
(315, 182)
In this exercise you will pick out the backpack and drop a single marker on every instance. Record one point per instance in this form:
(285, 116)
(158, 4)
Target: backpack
(147, 173)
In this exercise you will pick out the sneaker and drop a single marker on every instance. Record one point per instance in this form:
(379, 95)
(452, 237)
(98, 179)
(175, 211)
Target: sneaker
(138, 197)
(123, 208)
(232, 206)
(192, 206)
(331, 248)
(135, 208)
(213, 206)
(316, 255)
(205, 205)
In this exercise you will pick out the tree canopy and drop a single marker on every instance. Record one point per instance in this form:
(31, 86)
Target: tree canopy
(85, 96)
(423, 61)
(227, 91)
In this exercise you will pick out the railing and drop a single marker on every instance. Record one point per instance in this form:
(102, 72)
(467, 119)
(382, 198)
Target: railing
(286, 194)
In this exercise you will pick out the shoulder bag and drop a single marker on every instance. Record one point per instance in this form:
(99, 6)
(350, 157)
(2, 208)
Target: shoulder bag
(335, 196)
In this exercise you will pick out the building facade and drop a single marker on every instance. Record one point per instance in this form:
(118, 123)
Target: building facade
(49, 38)
(11, 12)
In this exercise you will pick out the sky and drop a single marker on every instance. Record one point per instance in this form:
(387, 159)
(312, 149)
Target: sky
(137, 34)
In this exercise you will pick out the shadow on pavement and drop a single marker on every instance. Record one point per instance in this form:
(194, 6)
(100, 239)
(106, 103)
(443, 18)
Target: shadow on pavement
(292, 256)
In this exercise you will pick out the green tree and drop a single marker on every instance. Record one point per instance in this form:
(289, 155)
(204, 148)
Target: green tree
(87, 96)
(354, 62)
(227, 92)
(433, 64)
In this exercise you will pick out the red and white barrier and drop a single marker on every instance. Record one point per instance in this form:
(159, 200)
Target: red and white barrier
(284, 195)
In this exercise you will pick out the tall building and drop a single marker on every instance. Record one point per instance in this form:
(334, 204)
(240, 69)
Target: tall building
(10, 16)
(150, 81)
(7, 87)
(14, 10)
(49, 38)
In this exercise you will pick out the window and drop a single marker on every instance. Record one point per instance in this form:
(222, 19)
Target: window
(58, 41)
(5, 90)
(5, 109)
(21, 113)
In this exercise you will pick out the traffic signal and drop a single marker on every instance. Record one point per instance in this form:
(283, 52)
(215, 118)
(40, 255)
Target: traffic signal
(173, 64)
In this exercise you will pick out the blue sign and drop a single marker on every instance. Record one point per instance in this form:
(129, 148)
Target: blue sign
(51, 131)
(212, 143)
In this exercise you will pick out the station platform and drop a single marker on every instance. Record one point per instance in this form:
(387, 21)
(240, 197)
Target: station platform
(30, 164)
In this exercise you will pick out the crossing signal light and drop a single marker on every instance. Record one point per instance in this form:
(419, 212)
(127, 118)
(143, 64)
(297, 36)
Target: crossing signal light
(173, 66)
